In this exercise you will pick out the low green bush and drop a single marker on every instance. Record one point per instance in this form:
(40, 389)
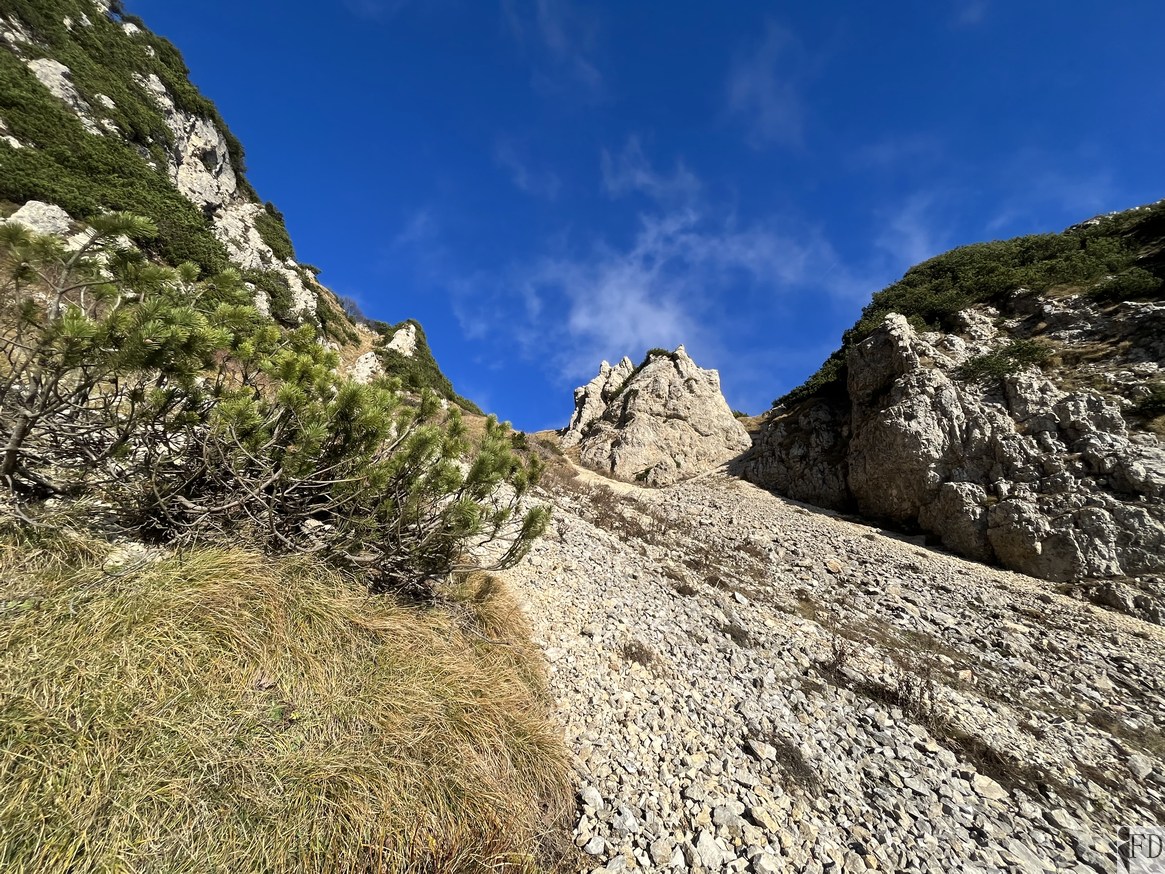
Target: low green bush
(1128, 285)
(193, 417)
(273, 231)
(1003, 362)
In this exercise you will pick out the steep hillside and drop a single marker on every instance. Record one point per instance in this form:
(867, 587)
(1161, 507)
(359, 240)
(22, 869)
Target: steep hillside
(750, 686)
(97, 114)
(247, 621)
(1007, 398)
(1106, 260)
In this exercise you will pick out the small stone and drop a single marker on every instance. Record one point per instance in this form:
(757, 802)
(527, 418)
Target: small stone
(762, 817)
(763, 751)
(708, 852)
(595, 846)
(725, 817)
(988, 788)
(1061, 818)
(625, 822)
(1140, 766)
(591, 798)
(834, 566)
(1023, 855)
(695, 792)
(766, 863)
(661, 851)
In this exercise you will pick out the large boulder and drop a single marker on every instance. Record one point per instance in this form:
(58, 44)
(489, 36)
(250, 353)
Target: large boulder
(659, 423)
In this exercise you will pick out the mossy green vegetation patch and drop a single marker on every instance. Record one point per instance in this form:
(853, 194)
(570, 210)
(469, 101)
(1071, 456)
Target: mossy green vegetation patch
(1014, 357)
(1114, 258)
(123, 169)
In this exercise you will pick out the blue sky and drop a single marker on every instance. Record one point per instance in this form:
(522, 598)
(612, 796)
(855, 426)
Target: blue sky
(548, 183)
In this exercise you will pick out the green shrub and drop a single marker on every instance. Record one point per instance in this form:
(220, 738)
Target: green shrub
(193, 417)
(334, 324)
(1128, 285)
(1003, 362)
(278, 291)
(273, 231)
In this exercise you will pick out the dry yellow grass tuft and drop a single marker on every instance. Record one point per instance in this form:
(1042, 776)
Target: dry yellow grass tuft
(224, 711)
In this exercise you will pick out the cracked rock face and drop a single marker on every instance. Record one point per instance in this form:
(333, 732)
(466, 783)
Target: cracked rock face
(662, 423)
(367, 368)
(201, 169)
(590, 400)
(1045, 480)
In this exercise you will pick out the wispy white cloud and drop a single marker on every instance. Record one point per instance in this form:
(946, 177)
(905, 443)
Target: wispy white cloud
(913, 230)
(560, 37)
(970, 13)
(666, 285)
(764, 91)
(419, 228)
(509, 155)
(630, 171)
(684, 274)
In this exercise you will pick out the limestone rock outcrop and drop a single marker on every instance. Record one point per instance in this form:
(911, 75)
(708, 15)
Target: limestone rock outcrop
(56, 77)
(200, 168)
(1042, 478)
(662, 422)
(590, 400)
(198, 162)
(42, 218)
(367, 368)
(404, 340)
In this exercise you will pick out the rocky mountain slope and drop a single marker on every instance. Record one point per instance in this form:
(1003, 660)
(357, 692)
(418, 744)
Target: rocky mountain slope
(1006, 398)
(97, 114)
(657, 423)
(748, 685)
(745, 683)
